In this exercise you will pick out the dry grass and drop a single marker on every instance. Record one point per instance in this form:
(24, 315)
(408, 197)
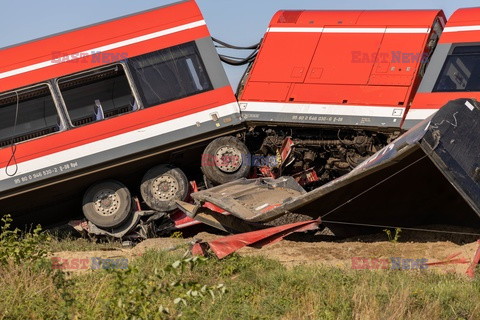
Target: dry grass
(165, 285)
(257, 289)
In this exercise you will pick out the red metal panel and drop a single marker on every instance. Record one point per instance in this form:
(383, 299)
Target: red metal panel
(476, 259)
(408, 18)
(266, 91)
(284, 57)
(225, 246)
(435, 100)
(399, 58)
(334, 63)
(61, 69)
(92, 37)
(459, 37)
(352, 94)
(317, 18)
(339, 73)
(60, 141)
(462, 18)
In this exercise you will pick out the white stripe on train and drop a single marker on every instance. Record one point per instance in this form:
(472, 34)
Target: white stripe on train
(461, 28)
(108, 47)
(348, 30)
(324, 109)
(336, 110)
(110, 143)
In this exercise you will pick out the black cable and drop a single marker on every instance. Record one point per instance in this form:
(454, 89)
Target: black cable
(400, 227)
(233, 62)
(230, 46)
(233, 57)
(237, 61)
(13, 145)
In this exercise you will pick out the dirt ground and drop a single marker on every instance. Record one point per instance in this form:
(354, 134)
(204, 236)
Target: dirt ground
(318, 249)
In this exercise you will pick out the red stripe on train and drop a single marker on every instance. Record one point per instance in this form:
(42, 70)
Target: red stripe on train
(60, 141)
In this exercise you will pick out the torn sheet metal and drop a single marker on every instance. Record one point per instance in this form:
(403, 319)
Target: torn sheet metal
(474, 263)
(216, 217)
(452, 259)
(181, 220)
(431, 174)
(248, 199)
(227, 245)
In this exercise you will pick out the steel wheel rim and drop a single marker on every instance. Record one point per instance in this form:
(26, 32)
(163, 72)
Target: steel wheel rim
(165, 187)
(106, 202)
(228, 159)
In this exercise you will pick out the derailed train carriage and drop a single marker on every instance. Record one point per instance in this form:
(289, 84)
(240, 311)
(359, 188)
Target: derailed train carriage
(142, 104)
(89, 112)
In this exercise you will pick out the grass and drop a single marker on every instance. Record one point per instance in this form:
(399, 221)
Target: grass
(167, 285)
(256, 288)
(69, 242)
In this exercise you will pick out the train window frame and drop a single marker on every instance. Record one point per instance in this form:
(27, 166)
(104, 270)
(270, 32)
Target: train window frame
(201, 77)
(458, 52)
(56, 127)
(135, 104)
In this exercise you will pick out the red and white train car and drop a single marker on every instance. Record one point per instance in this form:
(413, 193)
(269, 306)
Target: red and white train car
(110, 100)
(338, 84)
(131, 104)
(341, 68)
(454, 69)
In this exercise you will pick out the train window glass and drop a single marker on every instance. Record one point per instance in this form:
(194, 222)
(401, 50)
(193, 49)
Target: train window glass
(461, 71)
(33, 116)
(169, 74)
(97, 94)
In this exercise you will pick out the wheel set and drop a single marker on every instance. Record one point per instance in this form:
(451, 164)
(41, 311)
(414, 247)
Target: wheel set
(225, 159)
(108, 204)
(162, 185)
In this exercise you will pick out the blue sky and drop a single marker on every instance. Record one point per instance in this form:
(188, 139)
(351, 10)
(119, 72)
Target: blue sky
(240, 22)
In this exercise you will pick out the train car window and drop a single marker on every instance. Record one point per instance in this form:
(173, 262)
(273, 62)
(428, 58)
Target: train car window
(461, 71)
(27, 114)
(97, 94)
(169, 74)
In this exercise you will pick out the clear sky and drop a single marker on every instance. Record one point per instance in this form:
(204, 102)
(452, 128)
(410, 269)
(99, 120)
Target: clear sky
(240, 22)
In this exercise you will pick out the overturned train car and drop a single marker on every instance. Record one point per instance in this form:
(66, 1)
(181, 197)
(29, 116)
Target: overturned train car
(89, 114)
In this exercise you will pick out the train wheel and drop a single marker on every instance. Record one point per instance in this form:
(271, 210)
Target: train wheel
(107, 204)
(226, 159)
(162, 185)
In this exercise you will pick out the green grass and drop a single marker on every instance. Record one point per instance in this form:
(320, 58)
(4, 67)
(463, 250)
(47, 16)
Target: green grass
(167, 285)
(73, 243)
(256, 288)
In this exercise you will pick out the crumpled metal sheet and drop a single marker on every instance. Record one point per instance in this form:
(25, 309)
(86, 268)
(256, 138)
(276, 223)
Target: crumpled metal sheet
(429, 175)
(181, 220)
(227, 245)
(476, 260)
